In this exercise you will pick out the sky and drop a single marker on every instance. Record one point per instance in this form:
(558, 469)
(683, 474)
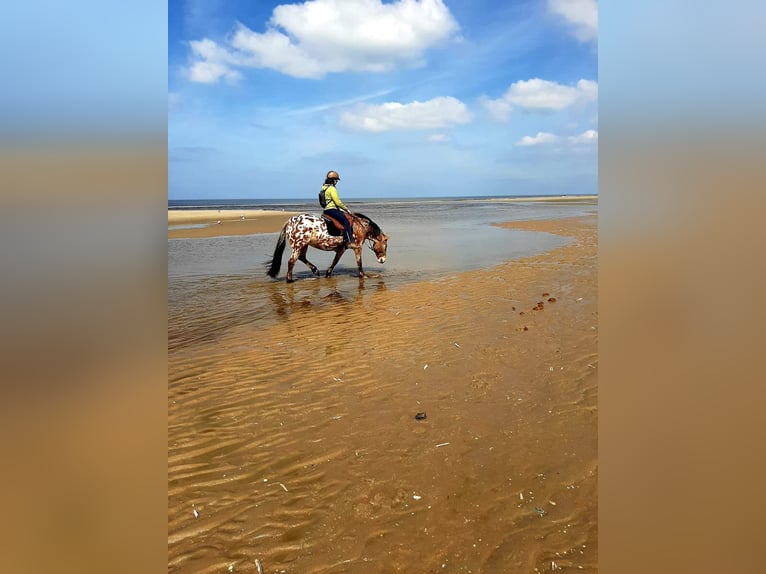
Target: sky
(404, 98)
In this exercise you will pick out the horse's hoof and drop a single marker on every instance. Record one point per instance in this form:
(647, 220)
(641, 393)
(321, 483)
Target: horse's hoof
(290, 280)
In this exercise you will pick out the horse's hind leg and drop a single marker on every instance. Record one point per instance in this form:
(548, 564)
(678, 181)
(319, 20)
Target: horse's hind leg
(290, 264)
(338, 254)
(308, 263)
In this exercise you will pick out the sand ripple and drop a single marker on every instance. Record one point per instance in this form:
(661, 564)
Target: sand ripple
(292, 437)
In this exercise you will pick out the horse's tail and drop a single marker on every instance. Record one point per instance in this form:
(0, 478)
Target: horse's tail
(276, 261)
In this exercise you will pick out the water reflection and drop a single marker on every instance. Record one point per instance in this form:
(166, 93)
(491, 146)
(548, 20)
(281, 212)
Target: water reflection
(311, 294)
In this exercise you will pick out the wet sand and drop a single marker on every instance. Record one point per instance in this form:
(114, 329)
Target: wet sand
(296, 443)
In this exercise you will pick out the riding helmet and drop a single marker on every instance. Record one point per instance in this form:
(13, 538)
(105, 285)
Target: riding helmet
(332, 175)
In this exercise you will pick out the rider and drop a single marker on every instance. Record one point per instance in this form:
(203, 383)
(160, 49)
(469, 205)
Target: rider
(336, 208)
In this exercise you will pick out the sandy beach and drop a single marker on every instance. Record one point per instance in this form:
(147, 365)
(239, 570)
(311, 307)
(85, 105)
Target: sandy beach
(219, 222)
(296, 444)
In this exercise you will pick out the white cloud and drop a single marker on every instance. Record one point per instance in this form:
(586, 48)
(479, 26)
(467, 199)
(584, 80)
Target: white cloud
(318, 37)
(499, 110)
(540, 138)
(587, 137)
(540, 96)
(438, 138)
(212, 64)
(545, 138)
(433, 114)
(211, 72)
(582, 15)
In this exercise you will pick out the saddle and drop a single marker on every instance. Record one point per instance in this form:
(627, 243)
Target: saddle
(334, 227)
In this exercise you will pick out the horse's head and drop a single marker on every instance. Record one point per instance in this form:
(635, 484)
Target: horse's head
(375, 235)
(379, 246)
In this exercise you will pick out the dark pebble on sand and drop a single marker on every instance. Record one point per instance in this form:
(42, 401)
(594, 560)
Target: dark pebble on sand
(420, 416)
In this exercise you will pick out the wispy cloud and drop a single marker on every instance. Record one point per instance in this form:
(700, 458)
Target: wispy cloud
(432, 114)
(580, 15)
(340, 103)
(438, 138)
(540, 96)
(318, 37)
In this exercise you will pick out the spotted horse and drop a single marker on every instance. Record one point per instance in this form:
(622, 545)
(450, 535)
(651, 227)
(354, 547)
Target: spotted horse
(304, 231)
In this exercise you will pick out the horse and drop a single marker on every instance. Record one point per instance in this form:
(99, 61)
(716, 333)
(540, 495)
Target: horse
(307, 230)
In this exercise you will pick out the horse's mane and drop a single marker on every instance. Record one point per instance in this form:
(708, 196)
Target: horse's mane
(376, 231)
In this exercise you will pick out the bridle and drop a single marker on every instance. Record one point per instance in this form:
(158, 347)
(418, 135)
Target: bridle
(370, 239)
(371, 244)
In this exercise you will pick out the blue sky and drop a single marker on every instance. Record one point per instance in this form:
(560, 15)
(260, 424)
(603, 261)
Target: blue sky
(404, 98)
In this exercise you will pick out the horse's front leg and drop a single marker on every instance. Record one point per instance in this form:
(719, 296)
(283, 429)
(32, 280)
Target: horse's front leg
(338, 254)
(308, 263)
(358, 254)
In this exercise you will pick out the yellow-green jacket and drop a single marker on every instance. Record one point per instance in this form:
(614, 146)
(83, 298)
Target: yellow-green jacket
(333, 201)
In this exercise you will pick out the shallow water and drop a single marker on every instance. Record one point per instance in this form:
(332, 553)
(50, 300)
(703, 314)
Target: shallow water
(429, 240)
